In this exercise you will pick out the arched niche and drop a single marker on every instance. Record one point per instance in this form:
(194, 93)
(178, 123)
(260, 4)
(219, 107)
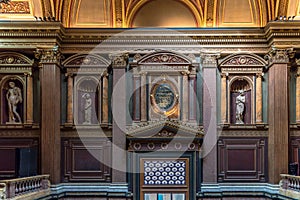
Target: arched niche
(13, 98)
(241, 100)
(86, 100)
(86, 73)
(242, 71)
(16, 68)
(179, 14)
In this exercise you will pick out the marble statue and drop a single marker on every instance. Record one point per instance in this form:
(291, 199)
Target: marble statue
(87, 108)
(14, 97)
(240, 107)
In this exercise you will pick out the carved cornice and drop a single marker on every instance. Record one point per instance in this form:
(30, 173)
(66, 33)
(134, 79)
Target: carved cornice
(48, 55)
(119, 60)
(280, 56)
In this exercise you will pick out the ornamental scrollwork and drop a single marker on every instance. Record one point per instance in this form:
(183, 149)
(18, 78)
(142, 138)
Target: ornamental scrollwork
(277, 55)
(48, 55)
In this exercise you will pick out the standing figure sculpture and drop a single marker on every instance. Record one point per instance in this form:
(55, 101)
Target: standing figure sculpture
(240, 107)
(14, 97)
(87, 108)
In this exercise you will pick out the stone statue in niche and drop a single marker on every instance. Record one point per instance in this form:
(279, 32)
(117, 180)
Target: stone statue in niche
(14, 97)
(87, 108)
(240, 107)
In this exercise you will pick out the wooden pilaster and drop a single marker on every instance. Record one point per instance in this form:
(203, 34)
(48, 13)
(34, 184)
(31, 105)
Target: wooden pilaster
(49, 62)
(278, 116)
(119, 156)
(185, 95)
(209, 147)
(70, 99)
(143, 97)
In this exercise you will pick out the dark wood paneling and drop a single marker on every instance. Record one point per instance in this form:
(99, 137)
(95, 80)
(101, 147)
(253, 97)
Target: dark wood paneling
(86, 160)
(242, 159)
(8, 147)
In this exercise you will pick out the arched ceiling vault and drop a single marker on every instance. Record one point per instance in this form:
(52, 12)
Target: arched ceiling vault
(123, 13)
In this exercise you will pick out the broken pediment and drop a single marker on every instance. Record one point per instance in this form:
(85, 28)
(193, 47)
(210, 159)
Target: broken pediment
(164, 128)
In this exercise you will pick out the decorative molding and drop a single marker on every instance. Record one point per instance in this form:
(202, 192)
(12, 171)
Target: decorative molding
(14, 59)
(164, 58)
(15, 7)
(48, 55)
(210, 59)
(243, 133)
(86, 60)
(277, 55)
(119, 60)
(245, 60)
(182, 128)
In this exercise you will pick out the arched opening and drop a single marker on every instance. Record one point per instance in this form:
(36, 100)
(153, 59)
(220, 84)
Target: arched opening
(168, 13)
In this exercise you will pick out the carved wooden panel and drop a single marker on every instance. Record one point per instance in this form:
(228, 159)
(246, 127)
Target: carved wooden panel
(89, 160)
(242, 160)
(8, 148)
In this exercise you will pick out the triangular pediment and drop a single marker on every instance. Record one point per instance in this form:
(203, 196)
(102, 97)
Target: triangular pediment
(163, 57)
(164, 128)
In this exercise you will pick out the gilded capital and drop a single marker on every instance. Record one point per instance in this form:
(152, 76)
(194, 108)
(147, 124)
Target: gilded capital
(277, 55)
(48, 55)
(119, 60)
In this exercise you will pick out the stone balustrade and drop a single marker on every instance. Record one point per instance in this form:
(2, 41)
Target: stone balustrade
(22, 187)
(290, 186)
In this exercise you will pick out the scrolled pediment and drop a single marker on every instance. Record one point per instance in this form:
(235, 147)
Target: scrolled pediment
(14, 59)
(86, 60)
(164, 58)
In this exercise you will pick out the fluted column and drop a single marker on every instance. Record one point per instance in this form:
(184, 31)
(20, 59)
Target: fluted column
(105, 99)
(50, 79)
(29, 105)
(70, 100)
(119, 64)
(185, 97)
(209, 147)
(223, 99)
(259, 98)
(143, 97)
(278, 116)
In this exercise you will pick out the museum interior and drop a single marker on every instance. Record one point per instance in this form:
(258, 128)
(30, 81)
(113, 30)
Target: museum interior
(150, 99)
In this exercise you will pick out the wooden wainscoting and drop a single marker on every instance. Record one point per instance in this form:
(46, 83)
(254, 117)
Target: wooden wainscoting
(86, 160)
(242, 159)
